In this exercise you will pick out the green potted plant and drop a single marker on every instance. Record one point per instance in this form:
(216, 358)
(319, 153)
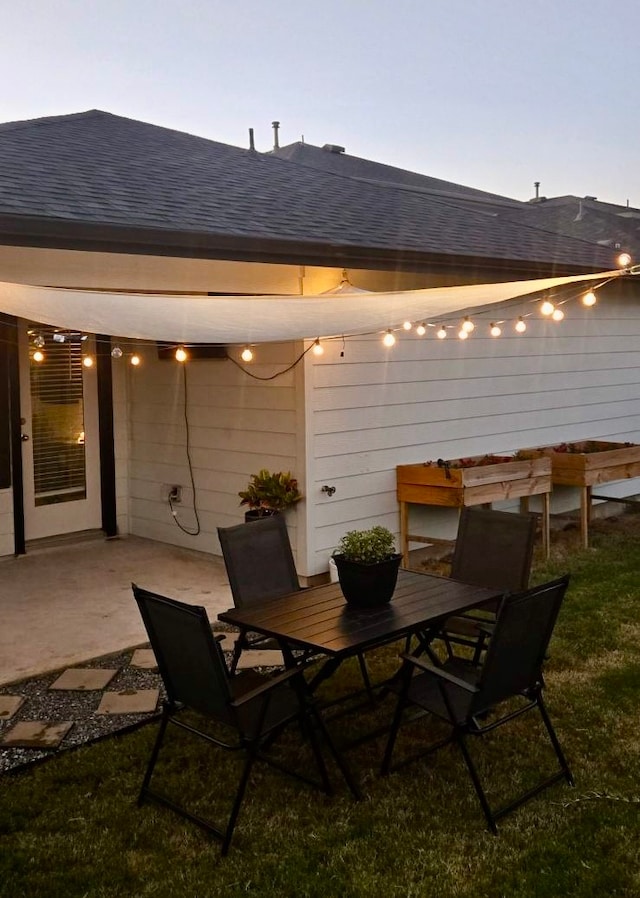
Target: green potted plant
(367, 566)
(268, 493)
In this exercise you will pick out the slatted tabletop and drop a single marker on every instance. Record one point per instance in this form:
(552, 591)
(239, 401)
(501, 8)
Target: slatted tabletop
(320, 620)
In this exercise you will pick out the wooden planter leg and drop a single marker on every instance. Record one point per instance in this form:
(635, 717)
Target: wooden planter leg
(546, 529)
(404, 533)
(585, 514)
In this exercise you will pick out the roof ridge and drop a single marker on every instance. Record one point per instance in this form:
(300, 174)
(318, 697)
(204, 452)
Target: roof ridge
(49, 119)
(103, 114)
(475, 193)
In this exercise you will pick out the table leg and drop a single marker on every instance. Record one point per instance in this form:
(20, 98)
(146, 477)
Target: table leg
(325, 671)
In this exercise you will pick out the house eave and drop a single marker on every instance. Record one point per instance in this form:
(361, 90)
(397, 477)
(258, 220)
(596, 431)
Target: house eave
(47, 233)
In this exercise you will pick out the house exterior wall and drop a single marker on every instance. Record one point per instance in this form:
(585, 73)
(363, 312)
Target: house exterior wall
(374, 408)
(237, 425)
(348, 420)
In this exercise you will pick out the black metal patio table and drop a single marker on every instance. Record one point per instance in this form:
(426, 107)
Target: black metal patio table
(318, 620)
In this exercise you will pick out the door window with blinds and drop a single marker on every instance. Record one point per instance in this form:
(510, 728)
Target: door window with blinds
(57, 410)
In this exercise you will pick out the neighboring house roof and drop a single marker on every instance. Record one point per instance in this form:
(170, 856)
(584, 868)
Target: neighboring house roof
(93, 180)
(586, 218)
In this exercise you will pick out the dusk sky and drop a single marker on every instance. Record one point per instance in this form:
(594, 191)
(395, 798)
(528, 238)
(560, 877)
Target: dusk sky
(494, 94)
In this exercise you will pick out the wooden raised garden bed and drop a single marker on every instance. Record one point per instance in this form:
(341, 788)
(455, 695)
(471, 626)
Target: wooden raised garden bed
(586, 464)
(478, 480)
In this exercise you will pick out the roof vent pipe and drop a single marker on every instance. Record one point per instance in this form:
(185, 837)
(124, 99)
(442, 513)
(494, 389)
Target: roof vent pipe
(275, 125)
(536, 184)
(252, 145)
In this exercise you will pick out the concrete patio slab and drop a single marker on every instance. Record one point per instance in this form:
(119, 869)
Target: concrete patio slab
(65, 604)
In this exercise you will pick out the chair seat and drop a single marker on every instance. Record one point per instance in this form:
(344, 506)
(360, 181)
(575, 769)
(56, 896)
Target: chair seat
(426, 692)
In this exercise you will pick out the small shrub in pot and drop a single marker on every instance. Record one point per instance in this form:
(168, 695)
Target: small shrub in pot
(367, 566)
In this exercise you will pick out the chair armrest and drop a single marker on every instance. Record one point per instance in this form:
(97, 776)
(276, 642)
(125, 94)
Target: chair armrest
(440, 672)
(268, 684)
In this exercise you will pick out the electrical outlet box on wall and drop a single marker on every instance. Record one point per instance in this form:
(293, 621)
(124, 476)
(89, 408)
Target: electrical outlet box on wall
(171, 492)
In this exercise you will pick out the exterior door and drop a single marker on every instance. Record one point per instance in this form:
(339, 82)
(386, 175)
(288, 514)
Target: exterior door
(60, 448)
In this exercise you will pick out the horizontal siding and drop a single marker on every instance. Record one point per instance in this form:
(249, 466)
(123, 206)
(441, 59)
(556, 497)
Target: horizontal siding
(237, 425)
(373, 408)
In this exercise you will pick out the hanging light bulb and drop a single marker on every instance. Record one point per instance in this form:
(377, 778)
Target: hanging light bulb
(246, 355)
(318, 348)
(181, 354)
(389, 339)
(135, 360)
(624, 259)
(442, 332)
(547, 307)
(116, 353)
(495, 330)
(87, 361)
(589, 299)
(521, 325)
(468, 325)
(407, 325)
(38, 356)
(38, 341)
(421, 330)
(463, 334)
(558, 315)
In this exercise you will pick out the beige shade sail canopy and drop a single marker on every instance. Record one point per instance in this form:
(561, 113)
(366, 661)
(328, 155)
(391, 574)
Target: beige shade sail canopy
(258, 319)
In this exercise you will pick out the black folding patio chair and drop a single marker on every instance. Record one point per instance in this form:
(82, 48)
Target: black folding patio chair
(493, 549)
(260, 566)
(472, 700)
(248, 711)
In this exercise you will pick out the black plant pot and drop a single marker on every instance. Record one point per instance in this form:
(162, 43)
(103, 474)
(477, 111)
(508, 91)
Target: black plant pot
(367, 585)
(256, 514)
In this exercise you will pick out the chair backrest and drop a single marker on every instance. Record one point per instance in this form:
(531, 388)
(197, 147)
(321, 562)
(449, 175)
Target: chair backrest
(259, 560)
(516, 652)
(190, 660)
(494, 549)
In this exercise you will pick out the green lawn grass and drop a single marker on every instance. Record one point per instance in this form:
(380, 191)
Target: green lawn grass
(71, 827)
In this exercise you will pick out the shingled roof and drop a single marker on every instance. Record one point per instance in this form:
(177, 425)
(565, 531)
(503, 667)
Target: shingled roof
(335, 159)
(94, 179)
(585, 218)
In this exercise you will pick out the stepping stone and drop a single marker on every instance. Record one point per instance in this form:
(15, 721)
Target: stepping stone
(260, 658)
(144, 658)
(227, 642)
(129, 701)
(37, 733)
(251, 658)
(9, 704)
(84, 678)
